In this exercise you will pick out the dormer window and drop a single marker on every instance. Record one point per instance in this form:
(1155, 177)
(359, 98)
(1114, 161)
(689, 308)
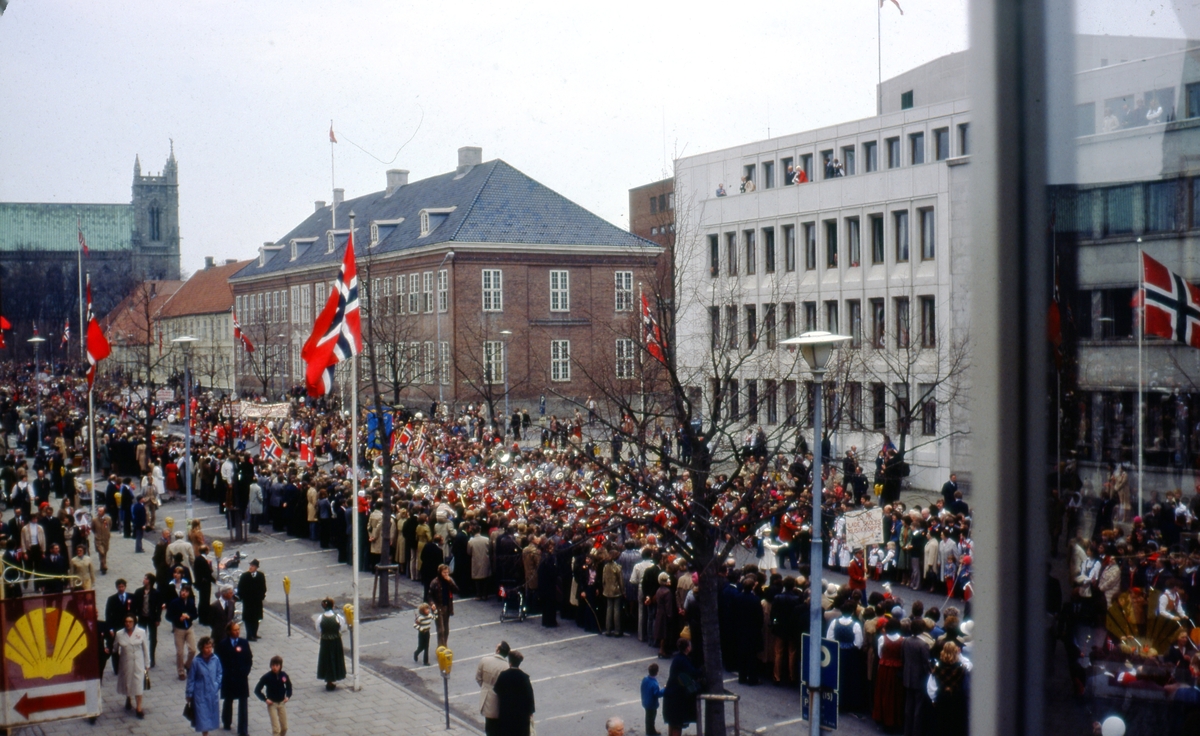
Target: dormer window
(432, 217)
(292, 245)
(377, 234)
(330, 242)
(374, 234)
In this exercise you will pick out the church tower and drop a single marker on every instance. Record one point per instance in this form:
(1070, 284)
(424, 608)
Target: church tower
(155, 238)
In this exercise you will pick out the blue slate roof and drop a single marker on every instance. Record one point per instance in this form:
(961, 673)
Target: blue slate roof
(493, 203)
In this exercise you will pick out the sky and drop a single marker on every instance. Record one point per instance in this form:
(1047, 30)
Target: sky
(589, 99)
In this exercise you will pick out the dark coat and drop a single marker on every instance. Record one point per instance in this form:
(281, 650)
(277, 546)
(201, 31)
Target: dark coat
(252, 589)
(431, 558)
(916, 663)
(679, 696)
(220, 614)
(515, 695)
(115, 610)
(236, 662)
(785, 612)
(156, 606)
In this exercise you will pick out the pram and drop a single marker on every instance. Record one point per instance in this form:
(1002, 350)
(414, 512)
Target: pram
(512, 601)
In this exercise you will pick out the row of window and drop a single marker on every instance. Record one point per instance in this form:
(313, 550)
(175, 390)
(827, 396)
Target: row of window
(843, 407)
(662, 202)
(560, 290)
(731, 330)
(1151, 207)
(413, 363)
(746, 244)
(560, 360)
(844, 161)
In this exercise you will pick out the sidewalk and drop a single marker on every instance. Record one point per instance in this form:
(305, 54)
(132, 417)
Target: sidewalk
(380, 707)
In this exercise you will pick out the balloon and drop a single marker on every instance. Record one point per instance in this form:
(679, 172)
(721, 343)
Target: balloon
(1112, 726)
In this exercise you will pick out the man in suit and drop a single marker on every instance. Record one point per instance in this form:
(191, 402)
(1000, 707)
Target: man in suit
(236, 662)
(204, 580)
(138, 513)
(222, 612)
(949, 488)
(41, 488)
(34, 545)
(127, 509)
(55, 564)
(486, 672)
(252, 589)
(116, 609)
(515, 695)
(148, 607)
(915, 675)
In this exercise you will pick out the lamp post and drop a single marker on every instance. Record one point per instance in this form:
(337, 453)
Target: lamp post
(816, 347)
(441, 381)
(185, 342)
(505, 334)
(37, 341)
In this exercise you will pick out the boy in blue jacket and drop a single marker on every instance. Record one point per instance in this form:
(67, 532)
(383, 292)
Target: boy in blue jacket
(651, 692)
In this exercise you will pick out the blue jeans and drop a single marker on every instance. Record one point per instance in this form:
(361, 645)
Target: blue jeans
(137, 535)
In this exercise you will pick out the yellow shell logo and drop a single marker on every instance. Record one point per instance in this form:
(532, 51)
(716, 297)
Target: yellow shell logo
(26, 643)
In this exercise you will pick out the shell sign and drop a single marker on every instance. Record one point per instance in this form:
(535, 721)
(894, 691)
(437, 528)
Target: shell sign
(50, 668)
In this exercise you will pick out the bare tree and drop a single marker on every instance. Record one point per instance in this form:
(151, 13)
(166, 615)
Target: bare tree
(482, 363)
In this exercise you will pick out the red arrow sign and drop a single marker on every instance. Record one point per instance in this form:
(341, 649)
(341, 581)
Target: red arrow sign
(27, 706)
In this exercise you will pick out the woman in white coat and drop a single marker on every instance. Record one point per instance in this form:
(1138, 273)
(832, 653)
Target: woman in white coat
(132, 646)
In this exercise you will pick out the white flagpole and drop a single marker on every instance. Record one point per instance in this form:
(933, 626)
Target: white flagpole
(82, 330)
(333, 185)
(1141, 397)
(92, 448)
(879, 59)
(354, 489)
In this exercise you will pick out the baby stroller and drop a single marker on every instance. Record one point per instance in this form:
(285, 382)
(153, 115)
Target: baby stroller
(512, 601)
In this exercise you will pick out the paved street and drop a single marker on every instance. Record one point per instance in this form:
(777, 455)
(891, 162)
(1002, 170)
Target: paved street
(579, 679)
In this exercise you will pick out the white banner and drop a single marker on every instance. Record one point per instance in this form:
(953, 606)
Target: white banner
(864, 528)
(252, 410)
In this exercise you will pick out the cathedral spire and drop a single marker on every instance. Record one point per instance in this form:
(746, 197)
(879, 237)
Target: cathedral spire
(137, 165)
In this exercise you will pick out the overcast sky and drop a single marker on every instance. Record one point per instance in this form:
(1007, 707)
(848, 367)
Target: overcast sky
(590, 99)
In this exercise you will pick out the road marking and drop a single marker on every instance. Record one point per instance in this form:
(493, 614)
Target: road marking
(375, 644)
(297, 554)
(532, 646)
(492, 623)
(323, 585)
(596, 669)
(764, 729)
(585, 712)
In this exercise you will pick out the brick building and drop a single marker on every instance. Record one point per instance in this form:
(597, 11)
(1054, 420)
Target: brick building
(466, 279)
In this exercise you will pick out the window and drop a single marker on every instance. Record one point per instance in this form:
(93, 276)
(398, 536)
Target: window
(769, 249)
(878, 324)
(900, 220)
(789, 248)
(871, 156)
(731, 392)
(625, 358)
(853, 404)
(671, 201)
(386, 294)
(714, 388)
(748, 172)
(941, 144)
(903, 408)
(493, 361)
(903, 322)
(964, 139)
(155, 222)
(321, 294)
(848, 160)
(430, 363)
(789, 173)
(878, 407)
(400, 282)
(831, 316)
(893, 153)
(662, 203)
(560, 291)
(806, 165)
(751, 251)
(493, 291)
(928, 247)
(768, 177)
(810, 316)
(560, 360)
(928, 322)
(789, 319)
(1165, 203)
(714, 324)
(916, 144)
(653, 204)
(789, 401)
(751, 401)
(731, 255)
(854, 307)
(731, 327)
(854, 238)
(414, 293)
(443, 290)
(877, 247)
(928, 399)
(714, 256)
(906, 100)
(809, 403)
(751, 326)
(810, 245)
(769, 325)
(1118, 210)
(831, 244)
(624, 291)
(414, 363)
(427, 291)
(374, 294)
(827, 164)
(771, 399)
(444, 367)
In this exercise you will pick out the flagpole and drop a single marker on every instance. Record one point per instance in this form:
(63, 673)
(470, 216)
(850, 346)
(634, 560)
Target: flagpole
(641, 349)
(879, 58)
(354, 490)
(234, 367)
(92, 448)
(333, 186)
(82, 330)
(1141, 420)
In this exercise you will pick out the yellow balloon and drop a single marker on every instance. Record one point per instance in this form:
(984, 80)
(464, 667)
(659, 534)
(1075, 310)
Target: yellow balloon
(117, 498)
(348, 609)
(170, 522)
(287, 584)
(218, 547)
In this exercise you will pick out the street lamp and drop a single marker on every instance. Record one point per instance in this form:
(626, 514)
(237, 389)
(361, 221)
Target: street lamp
(505, 334)
(816, 347)
(185, 342)
(440, 380)
(37, 341)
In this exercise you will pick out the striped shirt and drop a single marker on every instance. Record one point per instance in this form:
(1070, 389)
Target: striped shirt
(423, 622)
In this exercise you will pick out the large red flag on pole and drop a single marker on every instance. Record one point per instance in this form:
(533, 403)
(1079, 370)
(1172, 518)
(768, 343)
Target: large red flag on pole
(97, 345)
(337, 334)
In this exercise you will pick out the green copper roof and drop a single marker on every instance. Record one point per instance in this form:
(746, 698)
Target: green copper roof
(106, 227)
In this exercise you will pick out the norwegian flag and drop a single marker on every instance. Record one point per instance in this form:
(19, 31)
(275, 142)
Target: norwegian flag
(337, 334)
(97, 345)
(417, 447)
(654, 339)
(402, 438)
(1172, 305)
(270, 448)
(82, 240)
(238, 334)
(307, 456)
(66, 331)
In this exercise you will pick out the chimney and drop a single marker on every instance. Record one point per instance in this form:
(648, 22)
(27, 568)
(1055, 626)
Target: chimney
(469, 156)
(230, 261)
(208, 262)
(319, 205)
(396, 178)
(339, 196)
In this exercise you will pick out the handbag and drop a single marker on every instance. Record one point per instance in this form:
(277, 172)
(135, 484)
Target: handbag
(686, 633)
(146, 681)
(189, 712)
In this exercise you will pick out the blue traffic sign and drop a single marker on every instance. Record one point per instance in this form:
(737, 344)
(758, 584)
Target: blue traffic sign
(829, 708)
(830, 662)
